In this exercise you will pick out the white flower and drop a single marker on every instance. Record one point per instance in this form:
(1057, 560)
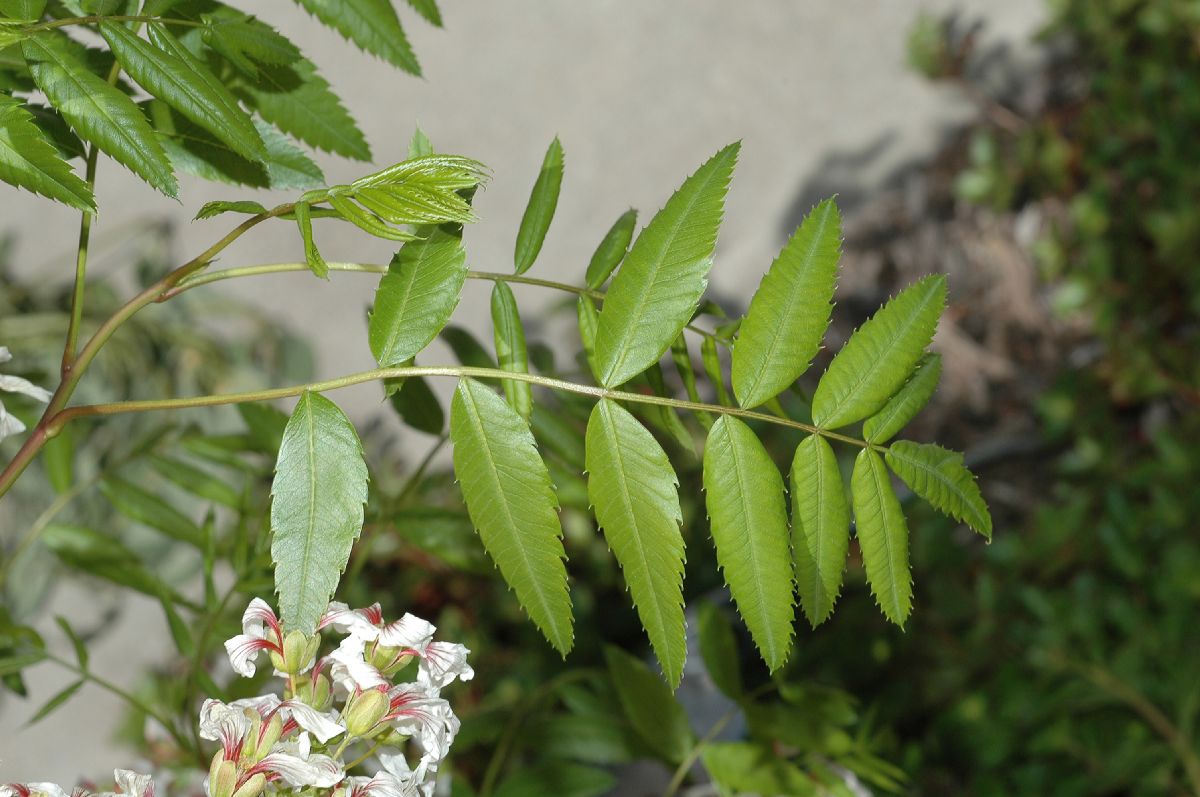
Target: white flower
(439, 663)
(29, 789)
(324, 726)
(292, 762)
(350, 669)
(10, 425)
(260, 631)
(130, 784)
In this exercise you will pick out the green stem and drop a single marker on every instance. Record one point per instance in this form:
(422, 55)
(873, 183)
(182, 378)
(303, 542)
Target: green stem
(363, 757)
(33, 444)
(131, 699)
(63, 417)
(97, 18)
(81, 256)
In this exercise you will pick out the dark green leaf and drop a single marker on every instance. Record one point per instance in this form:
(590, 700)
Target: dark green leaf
(102, 557)
(612, 249)
(416, 297)
(81, 651)
(418, 407)
(317, 502)
(907, 402)
(167, 70)
(882, 536)
(29, 159)
(820, 527)
(940, 477)
(880, 356)
(370, 24)
(540, 210)
(651, 708)
(512, 503)
(559, 778)
(782, 330)
(635, 494)
(466, 348)
(59, 459)
(748, 512)
(510, 348)
(24, 10)
(660, 284)
(663, 418)
(687, 374)
(719, 648)
(710, 358)
(265, 424)
(148, 509)
(443, 533)
(197, 481)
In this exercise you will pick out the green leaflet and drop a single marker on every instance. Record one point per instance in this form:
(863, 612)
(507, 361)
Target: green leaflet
(29, 160)
(589, 319)
(467, 350)
(635, 494)
(417, 406)
(783, 328)
(148, 509)
(101, 114)
(540, 210)
(55, 702)
(197, 481)
(882, 536)
(664, 275)
(940, 477)
(907, 402)
(429, 10)
(509, 336)
(748, 513)
(710, 358)
(101, 556)
(419, 145)
(512, 504)
(167, 70)
(663, 418)
(316, 263)
(216, 208)
(651, 708)
(317, 500)
(719, 648)
(687, 374)
(416, 297)
(299, 102)
(880, 356)
(612, 249)
(245, 41)
(820, 527)
(371, 24)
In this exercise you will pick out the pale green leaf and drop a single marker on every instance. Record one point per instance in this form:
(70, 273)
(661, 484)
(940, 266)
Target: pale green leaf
(748, 512)
(540, 211)
(512, 504)
(783, 328)
(634, 492)
(101, 114)
(880, 356)
(216, 208)
(719, 648)
(820, 527)
(511, 353)
(652, 710)
(367, 221)
(416, 297)
(940, 477)
(710, 358)
(664, 275)
(299, 102)
(371, 24)
(443, 173)
(29, 160)
(882, 536)
(419, 145)
(167, 70)
(312, 255)
(907, 402)
(612, 249)
(687, 374)
(317, 500)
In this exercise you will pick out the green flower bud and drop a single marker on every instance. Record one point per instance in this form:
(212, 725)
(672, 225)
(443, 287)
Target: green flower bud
(364, 711)
(389, 660)
(252, 787)
(299, 650)
(222, 776)
(263, 739)
(322, 693)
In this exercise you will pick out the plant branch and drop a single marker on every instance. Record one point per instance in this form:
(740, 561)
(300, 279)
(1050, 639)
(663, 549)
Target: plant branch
(63, 417)
(81, 256)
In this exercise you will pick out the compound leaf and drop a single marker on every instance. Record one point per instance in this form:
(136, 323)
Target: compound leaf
(635, 494)
(748, 512)
(511, 502)
(510, 348)
(908, 401)
(98, 112)
(416, 297)
(664, 275)
(29, 160)
(317, 500)
(540, 211)
(880, 355)
(940, 477)
(783, 328)
(882, 536)
(820, 527)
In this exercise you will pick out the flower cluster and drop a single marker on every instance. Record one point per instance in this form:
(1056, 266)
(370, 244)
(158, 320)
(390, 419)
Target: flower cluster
(351, 701)
(10, 424)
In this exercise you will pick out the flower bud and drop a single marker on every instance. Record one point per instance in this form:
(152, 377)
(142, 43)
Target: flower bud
(364, 711)
(253, 786)
(299, 651)
(222, 776)
(389, 660)
(321, 697)
(262, 739)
